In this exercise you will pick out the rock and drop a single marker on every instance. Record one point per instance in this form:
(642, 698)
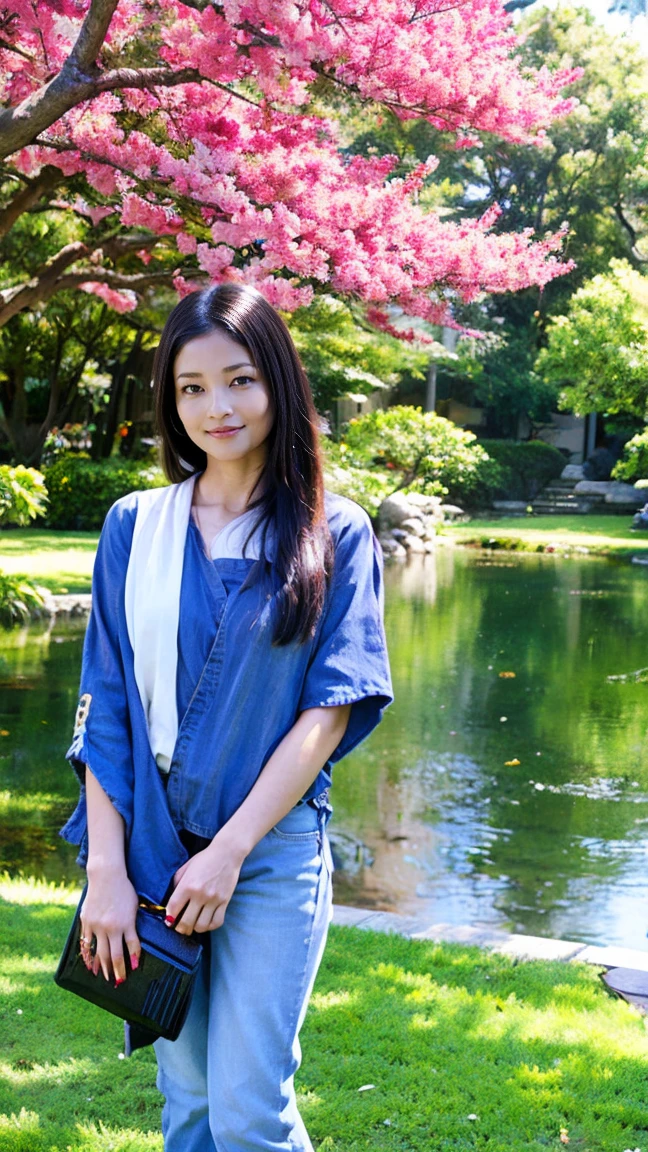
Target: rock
(388, 544)
(572, 472)
(350, 855)
(399, 534)
(394, 510)
(451, 510)
(424, 503)
(640, 520)
(599, 465)
(624, 494)
(413, 526)
(430, 545)
(430, 532)
(73, 605)
(391, 547)
(514, 507)
(414, 544)
(593, 487)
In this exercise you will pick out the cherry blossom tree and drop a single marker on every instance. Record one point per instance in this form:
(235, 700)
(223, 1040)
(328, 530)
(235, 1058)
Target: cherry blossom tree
(203, 140)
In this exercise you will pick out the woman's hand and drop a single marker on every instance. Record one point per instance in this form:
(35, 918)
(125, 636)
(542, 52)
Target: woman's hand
(108, 914)
(203, 888)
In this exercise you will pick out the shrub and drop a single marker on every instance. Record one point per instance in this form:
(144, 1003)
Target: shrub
(82, 490)
(405, 448)
(525, 466)
(23, 494)
(633, 465)
(18, 595)
(366, 486)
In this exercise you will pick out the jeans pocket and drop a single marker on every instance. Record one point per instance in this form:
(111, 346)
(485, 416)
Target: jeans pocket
(300, 823)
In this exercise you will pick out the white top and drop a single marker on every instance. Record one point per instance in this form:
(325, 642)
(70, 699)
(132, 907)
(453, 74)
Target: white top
(228, 543)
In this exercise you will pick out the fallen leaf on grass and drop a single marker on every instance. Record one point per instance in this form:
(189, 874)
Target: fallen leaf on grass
(366, 1087)
(564, 1138)
(506, 675)
(511, 763)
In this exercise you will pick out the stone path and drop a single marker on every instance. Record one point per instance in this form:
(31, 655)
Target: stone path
(523, 947)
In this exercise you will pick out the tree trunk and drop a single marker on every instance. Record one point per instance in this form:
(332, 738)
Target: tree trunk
(431, 387)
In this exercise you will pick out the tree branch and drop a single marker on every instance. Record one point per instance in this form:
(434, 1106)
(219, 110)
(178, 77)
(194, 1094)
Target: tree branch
(632, 232)
(24, 200)
(42, 284)
(146, 78)
(73, 84)
(92, 35)
(49, 278)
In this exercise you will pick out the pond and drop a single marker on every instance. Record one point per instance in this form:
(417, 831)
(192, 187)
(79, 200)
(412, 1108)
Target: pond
(506, 787)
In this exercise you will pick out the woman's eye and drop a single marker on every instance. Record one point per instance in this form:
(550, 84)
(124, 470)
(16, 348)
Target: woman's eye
(186, 387)
(243, 380)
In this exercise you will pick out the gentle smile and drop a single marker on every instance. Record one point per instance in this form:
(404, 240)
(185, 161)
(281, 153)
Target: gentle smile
(223, 431)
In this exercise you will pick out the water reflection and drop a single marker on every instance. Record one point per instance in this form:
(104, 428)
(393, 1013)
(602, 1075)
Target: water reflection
(517, 801)
(508, 784)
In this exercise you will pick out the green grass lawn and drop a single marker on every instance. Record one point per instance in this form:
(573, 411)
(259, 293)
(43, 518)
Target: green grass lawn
(606, 534)
(61, 561)
(464, 1049)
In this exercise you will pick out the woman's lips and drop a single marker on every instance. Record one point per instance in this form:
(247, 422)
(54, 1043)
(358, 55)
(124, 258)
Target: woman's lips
(224, 432)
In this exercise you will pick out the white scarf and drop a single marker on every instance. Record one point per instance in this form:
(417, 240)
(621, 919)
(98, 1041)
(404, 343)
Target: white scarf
(152, 595)
(152, 598)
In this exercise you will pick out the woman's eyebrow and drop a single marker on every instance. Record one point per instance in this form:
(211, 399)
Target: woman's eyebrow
(230, 368)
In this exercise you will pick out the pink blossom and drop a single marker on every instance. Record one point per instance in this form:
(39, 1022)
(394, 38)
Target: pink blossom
(238, 172)
(120, 300)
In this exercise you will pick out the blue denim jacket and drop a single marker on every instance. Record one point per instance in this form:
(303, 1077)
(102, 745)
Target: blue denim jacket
(238, 695)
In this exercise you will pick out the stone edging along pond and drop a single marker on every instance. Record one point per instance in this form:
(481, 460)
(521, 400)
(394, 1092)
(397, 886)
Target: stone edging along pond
(514, 945)
(627, 968)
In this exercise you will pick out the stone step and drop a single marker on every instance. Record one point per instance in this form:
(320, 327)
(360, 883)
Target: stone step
(550, 509)
(552, 498)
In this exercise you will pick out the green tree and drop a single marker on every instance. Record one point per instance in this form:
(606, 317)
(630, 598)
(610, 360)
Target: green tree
(342, 353)
(589, 173)
(597, 352)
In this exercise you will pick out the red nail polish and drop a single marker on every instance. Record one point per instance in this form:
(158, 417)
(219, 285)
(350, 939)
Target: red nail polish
(119, 980)
(169, 920)
(134, 962)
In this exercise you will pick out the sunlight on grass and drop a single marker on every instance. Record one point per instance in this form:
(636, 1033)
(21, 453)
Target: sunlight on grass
(612, 533)
(464, 1049)
(27, 890)
(60, 561)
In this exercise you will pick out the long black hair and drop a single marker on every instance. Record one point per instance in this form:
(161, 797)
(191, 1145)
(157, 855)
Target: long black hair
(292, 486)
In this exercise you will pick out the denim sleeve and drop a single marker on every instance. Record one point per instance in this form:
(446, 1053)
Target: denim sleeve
(350, 664)
(102, 734)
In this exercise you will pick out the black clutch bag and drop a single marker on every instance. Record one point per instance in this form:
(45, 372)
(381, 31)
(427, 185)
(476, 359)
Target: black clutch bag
(155, 997)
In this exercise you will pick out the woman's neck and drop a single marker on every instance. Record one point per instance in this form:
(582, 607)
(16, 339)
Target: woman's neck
(228, 486)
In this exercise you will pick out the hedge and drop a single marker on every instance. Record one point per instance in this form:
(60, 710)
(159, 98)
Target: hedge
(82, 490)
(526, 466)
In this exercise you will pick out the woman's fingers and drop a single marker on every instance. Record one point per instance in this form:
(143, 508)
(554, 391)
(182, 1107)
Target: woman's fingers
(210, 917)
(102, 961)
(117, 958)
(217, 919)
(133, 947)
(184, 923)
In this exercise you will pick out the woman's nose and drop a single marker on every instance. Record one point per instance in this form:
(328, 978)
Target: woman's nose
(220, 403)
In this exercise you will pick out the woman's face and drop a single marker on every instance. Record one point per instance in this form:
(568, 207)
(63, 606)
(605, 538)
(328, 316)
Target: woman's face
(223, 401)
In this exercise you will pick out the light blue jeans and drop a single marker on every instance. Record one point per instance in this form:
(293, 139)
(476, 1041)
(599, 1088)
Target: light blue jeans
(228, 1078)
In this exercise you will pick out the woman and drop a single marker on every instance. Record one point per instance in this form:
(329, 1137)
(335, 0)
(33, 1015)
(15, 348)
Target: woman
(234, 652)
